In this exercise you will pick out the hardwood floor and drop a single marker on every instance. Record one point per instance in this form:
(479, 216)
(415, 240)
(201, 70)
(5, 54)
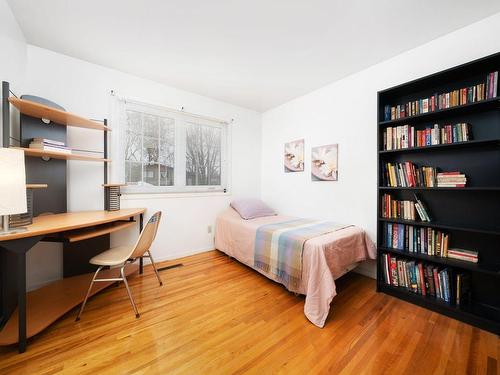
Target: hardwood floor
(216, 316)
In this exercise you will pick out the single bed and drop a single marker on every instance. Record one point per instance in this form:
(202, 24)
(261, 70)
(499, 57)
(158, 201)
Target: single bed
(325, 258)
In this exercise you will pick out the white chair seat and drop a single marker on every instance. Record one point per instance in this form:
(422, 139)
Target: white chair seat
(112, 257)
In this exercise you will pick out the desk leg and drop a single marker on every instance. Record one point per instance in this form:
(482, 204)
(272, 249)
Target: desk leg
(21, 298)
(15, 291)
(141, 260)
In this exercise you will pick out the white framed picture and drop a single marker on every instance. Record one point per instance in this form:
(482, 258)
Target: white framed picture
(324, 163)
(294, 156)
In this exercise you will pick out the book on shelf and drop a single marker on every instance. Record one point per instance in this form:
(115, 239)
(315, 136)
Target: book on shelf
(414, 239)
(422, 211)
(403, 209)
(487, 89)
(408, 174)
(405, 136)
(426, 279)
(49, 145)
(462, 289)
(48, 142)
(451, 179)
(396, 209)
(463, 254)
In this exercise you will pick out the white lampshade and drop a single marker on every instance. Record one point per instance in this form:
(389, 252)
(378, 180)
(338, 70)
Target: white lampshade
(12, 182)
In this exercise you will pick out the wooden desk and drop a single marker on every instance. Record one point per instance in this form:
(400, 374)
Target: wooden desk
(45, 305)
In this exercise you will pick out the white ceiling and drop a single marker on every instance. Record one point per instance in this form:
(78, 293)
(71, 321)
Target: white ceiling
(255, 53)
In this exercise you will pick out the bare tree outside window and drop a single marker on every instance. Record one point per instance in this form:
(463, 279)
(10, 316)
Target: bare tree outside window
(203, 155)
(149, 149)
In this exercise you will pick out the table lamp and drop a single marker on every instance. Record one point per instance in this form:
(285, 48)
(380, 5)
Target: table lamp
(12, 187)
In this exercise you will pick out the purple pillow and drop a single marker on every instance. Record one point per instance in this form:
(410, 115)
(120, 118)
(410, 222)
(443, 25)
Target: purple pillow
(252, 208)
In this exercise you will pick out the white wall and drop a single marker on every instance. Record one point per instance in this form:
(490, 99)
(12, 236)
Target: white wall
(12, 53)
(84, 88)
(13, 47)
(344, 112)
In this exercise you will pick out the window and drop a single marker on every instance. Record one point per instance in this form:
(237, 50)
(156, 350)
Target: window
(166, 151)
(149, 149)
(203, 155)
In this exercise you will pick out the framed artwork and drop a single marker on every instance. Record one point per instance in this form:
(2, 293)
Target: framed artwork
(324, 163)
(294, 156)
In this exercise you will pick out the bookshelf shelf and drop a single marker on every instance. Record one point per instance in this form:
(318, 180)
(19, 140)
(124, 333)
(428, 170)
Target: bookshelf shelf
(469, 219)
(421, 188)
(467, 314)
(476, 267)
(59, 155)
(484, 105)
(444, 147)
(60, 117)
(440, 225)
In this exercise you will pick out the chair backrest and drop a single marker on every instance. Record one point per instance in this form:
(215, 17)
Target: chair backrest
(147, 236)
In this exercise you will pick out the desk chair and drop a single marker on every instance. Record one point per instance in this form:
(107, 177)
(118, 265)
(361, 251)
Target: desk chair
(121, 255)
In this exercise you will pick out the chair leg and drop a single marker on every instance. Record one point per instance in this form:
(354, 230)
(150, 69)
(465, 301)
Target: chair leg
(128, 291)
(154, 268)
(87, 295)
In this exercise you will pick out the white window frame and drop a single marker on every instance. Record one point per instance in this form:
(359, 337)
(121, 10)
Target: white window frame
(181, 120)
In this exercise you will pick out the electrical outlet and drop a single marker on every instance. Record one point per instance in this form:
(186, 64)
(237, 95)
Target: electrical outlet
(209, 229)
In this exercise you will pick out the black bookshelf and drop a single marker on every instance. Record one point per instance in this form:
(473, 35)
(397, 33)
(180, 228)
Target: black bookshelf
(469, 215)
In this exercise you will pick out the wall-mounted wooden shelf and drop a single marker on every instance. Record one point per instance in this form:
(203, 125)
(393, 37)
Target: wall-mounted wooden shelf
(56, 115)
(37, 186)
(49, 303)
(59, 155)
(113, 185)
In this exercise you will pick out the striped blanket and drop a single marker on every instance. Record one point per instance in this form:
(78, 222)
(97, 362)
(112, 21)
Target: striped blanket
(279, 247)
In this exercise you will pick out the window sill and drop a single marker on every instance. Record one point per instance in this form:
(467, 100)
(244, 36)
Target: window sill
(139, 196)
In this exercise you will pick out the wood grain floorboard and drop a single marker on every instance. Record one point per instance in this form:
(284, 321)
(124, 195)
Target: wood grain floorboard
(217, 316)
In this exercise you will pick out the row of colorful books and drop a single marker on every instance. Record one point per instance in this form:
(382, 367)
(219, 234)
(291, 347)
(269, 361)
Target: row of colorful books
(49, 145)
(466, 95)
(408, 174)
(427, 280)
(414, 239)
(405, 136)
(395, 209)
(427, 241)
